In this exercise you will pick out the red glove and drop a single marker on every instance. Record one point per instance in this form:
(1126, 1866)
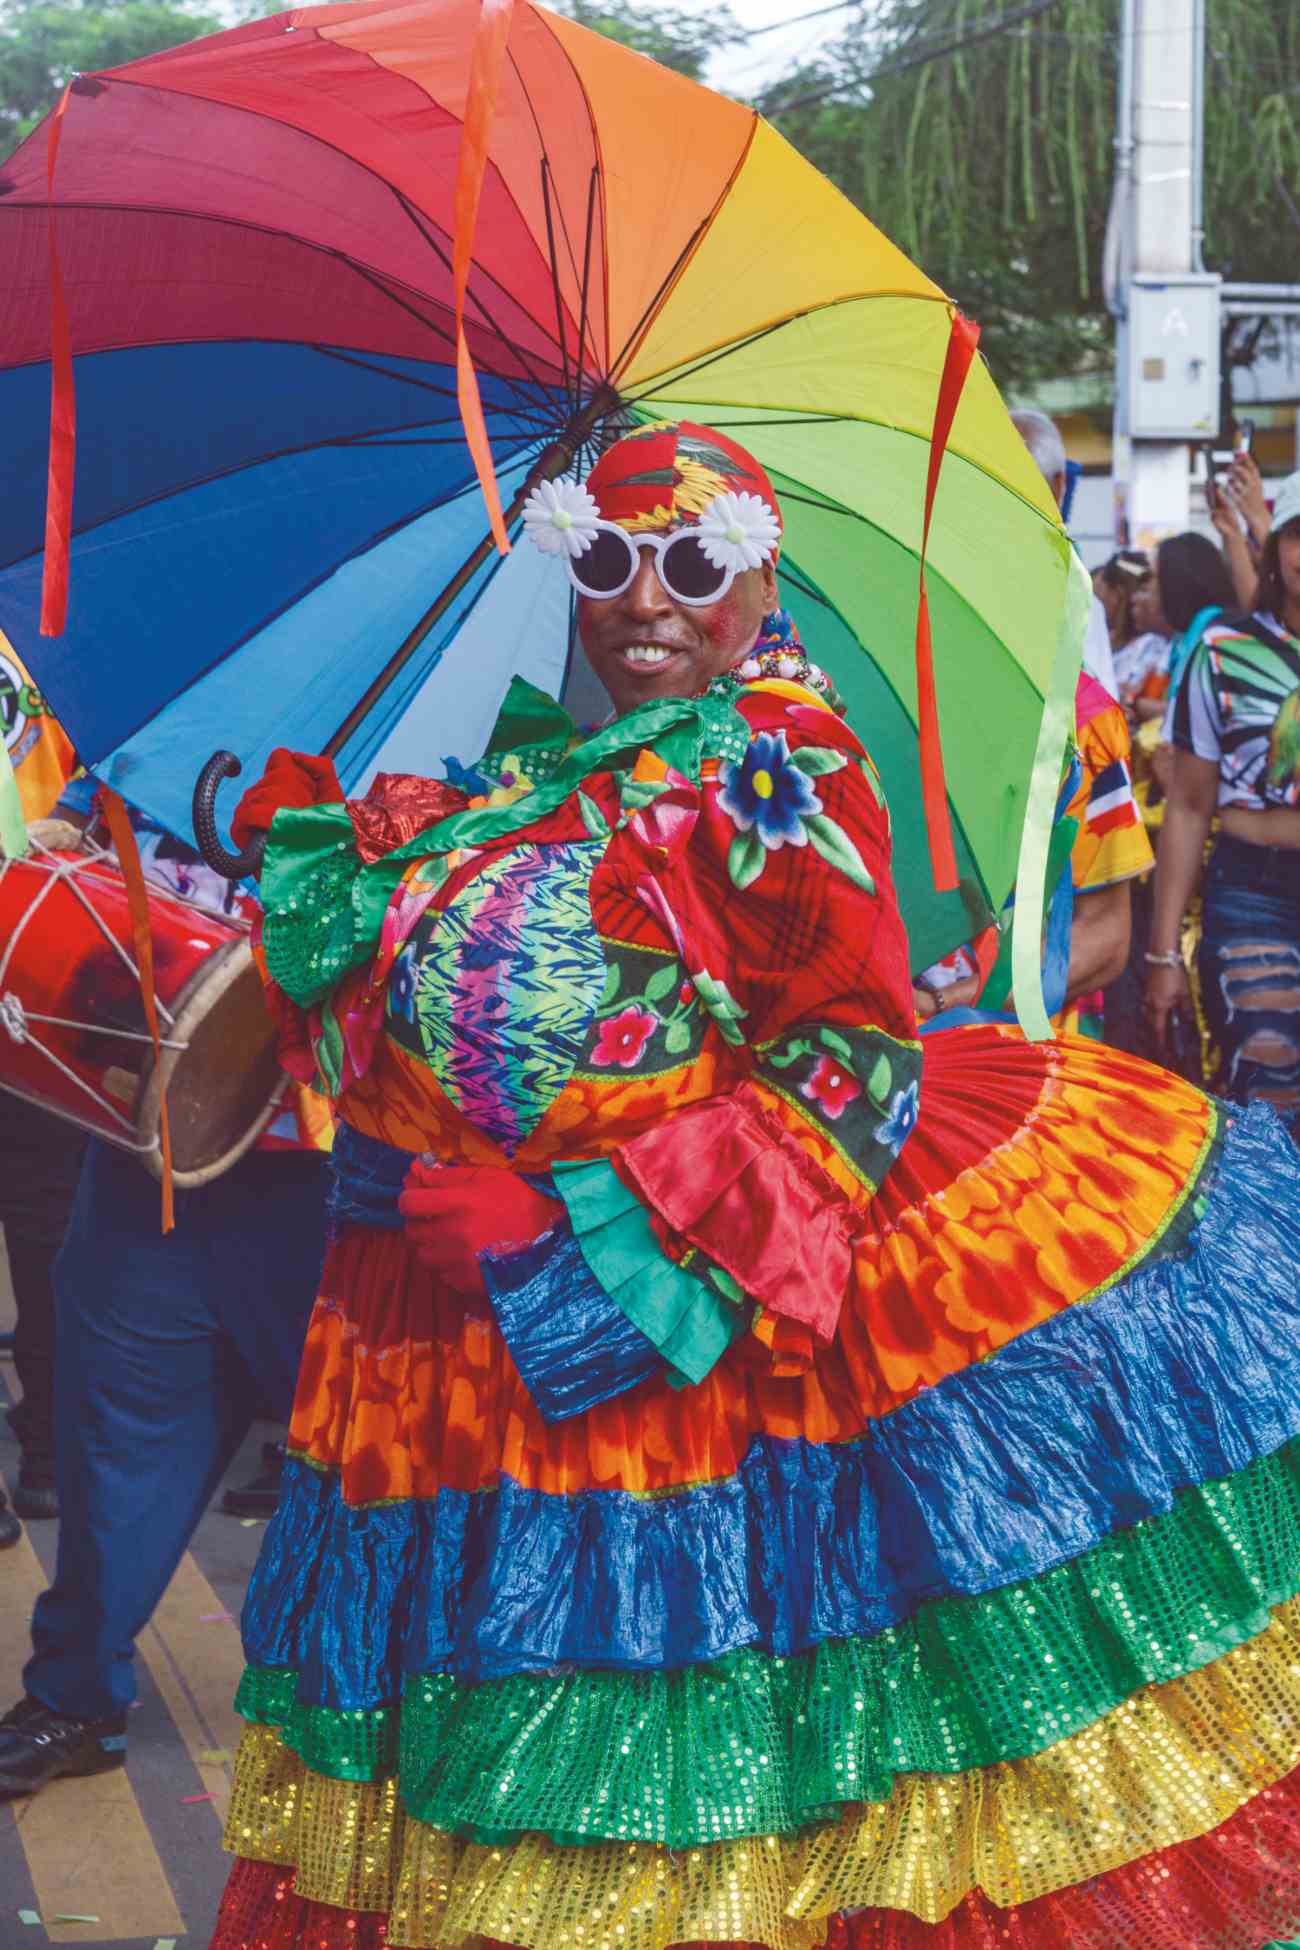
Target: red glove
(290, 779)
(454, 1212)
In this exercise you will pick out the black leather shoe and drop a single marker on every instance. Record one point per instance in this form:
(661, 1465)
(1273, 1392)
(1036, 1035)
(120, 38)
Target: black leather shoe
(10, 1528)
(38, 1745)
(35, 1496)
(259, 1497)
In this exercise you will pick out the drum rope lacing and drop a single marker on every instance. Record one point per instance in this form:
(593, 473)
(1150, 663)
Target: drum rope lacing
(67, 871)
(14, 1017)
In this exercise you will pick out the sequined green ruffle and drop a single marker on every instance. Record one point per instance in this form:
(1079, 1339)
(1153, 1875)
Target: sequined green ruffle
(323, 909)
(751, 1744)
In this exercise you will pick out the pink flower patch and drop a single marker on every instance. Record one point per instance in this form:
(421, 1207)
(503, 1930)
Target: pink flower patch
(831, 1086)
(622, 1038)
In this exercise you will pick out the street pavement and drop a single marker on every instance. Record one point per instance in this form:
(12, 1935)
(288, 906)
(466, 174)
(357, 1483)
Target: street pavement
(138, 1849)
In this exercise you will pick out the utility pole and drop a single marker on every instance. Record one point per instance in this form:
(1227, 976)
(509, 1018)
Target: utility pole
(1165, 303)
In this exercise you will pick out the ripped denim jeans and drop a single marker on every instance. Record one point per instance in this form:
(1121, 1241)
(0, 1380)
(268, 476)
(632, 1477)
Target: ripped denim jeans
(1250, 973)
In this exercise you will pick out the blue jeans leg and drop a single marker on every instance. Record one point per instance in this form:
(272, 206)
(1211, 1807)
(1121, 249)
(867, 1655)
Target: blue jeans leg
(1250, 973)
(166, 1350)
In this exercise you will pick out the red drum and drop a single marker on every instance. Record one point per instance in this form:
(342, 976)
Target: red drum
(73, 1035)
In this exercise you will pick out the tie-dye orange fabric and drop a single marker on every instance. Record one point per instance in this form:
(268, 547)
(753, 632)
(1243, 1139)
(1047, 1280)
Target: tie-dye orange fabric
(1036, 1175)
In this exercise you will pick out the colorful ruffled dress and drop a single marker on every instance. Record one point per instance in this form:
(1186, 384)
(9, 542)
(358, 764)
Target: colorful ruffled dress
(869, 1517)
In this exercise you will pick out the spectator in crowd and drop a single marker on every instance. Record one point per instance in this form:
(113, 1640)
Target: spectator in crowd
(1114, 585)
(1141, 654)
(1240, 514)
(1235, 729)
(1191, 586)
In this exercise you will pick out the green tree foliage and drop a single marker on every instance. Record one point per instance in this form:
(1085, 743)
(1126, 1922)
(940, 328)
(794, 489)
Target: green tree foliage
(44, 42)
(988, 155)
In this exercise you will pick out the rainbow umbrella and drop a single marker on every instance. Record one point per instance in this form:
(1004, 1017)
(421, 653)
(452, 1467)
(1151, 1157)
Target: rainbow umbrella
(317, 299)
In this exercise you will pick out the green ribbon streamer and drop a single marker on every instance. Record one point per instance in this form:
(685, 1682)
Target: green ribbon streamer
(1044, 784)
(13, 826)
(324, 910)
(678, 727)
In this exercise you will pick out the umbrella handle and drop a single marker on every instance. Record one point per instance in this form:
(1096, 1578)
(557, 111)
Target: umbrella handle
(235, 866)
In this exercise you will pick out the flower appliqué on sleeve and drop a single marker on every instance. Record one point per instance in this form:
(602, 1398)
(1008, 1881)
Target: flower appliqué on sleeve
(901, 1121)
(621, 1039)
(830, 1085)
(770, 799)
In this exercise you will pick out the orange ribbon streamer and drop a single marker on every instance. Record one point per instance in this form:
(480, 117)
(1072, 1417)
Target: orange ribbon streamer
(137, 900)
(486, 67)
(962, 341)
(63, 417)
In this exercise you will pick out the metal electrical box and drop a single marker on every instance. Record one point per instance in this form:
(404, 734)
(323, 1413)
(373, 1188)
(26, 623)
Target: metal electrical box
(1173, 342)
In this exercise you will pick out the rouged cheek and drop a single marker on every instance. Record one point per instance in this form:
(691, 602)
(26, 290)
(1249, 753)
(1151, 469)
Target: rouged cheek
(723, 623)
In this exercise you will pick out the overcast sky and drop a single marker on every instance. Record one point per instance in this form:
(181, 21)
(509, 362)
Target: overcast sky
(747, 68)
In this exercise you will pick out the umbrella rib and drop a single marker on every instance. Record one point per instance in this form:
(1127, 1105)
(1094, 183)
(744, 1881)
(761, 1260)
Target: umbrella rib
(486, 316)
(542, 419)
(788, 420)
(523, 438)
(633, 342)
(264, 622)
(546, 160)
(817, 595)
(723, 352)
(665, 285)
(586, 281)
(570, 391)
(153, 87)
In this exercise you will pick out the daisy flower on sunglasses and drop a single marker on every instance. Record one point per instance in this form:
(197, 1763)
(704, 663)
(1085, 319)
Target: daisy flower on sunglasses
(561, 517)
(738, 531)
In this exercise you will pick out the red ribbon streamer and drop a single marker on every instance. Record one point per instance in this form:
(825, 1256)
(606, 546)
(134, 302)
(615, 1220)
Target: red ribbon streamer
(486, 67)
(137, 900)
(962, 341)
(63, 416)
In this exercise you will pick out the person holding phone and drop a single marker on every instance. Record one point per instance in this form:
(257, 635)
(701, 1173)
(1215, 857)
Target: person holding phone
(1235, 729)
(1234, 495)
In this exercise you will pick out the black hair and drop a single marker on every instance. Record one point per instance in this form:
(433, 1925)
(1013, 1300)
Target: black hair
(1270, 596)
(1192, 575)
(1126, 571)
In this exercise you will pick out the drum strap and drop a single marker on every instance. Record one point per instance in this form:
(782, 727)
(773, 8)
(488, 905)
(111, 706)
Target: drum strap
(128, 859)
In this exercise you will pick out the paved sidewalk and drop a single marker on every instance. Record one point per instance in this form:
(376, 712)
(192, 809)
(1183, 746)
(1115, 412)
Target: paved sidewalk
(134, 1849)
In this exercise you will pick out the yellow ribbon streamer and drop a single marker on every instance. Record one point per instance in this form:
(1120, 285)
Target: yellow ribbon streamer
(1044, 785)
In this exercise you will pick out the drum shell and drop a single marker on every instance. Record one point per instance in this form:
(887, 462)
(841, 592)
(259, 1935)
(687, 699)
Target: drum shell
(66, 951)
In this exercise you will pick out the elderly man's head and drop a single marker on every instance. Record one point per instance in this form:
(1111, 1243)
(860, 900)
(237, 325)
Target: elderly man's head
(1044, 442)
(672, 548)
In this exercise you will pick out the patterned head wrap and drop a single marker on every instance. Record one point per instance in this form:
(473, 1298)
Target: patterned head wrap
(665, 476)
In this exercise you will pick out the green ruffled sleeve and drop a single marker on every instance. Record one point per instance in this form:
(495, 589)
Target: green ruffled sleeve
(690, 1323)
(323, 910)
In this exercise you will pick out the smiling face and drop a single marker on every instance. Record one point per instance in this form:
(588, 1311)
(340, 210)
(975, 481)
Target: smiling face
(642, 645)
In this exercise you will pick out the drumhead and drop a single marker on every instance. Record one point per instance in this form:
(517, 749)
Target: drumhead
(225, 1085)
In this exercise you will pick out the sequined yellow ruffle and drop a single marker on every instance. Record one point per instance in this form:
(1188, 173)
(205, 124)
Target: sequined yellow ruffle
(1171, 1763)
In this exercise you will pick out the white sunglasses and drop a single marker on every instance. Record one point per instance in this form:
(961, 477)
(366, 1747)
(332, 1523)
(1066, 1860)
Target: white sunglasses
(610, 563)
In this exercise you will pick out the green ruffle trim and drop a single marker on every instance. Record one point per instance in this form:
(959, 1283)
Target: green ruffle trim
(750, 1744)
(688, 1321)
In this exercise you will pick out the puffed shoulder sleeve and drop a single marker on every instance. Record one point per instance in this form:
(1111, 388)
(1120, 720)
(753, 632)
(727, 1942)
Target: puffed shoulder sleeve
(786, 912)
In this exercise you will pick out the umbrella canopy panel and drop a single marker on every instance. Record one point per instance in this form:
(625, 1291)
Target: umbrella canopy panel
(256, 234)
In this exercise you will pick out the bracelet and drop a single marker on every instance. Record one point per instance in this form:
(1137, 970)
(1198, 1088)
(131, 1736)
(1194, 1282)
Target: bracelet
(1169, 959)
